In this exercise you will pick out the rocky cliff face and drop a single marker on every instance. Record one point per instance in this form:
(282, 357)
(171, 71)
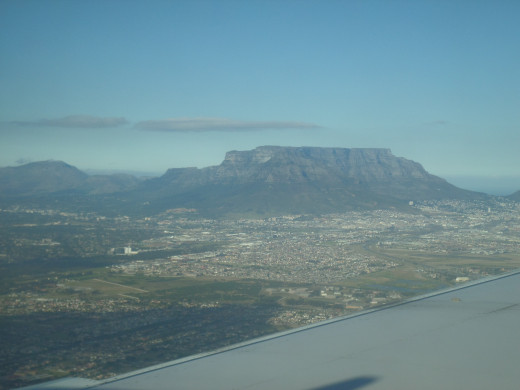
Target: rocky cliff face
(285, 164)
(275, 164)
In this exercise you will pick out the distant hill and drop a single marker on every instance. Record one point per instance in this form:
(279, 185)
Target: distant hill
(269, 180)
(51, 177)
(515, 196)
(40, 177)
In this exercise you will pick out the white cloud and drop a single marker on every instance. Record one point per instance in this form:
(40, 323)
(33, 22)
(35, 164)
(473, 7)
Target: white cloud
(218, 124)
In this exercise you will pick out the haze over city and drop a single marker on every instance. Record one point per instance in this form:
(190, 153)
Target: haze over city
(146, 86)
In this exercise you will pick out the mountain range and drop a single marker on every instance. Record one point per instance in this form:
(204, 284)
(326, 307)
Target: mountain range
(268, 180)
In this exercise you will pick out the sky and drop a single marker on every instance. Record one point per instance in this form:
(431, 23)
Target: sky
(150, 85)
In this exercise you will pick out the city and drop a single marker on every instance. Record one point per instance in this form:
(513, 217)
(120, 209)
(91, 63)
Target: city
(94, 296)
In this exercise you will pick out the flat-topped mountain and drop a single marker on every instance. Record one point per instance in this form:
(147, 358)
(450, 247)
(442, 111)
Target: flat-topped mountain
(269, 180)
(275, 164)
(273, 179)
(271, 163)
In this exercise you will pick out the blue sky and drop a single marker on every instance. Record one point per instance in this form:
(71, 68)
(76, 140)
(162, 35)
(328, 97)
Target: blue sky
(150, 85)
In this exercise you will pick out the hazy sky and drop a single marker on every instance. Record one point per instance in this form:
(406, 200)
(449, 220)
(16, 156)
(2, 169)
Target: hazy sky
(149, 85)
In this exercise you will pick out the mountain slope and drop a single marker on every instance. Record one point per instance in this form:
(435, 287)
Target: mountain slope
(515, 196)
(273, 180)
(39, 178)
(51, 177)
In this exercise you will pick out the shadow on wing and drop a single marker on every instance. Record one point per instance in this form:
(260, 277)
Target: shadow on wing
(349, 384)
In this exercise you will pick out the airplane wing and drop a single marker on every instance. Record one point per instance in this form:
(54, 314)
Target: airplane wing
(461, 338)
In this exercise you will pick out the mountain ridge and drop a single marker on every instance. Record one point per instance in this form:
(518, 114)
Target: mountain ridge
(274, 179)
(267, 180)
(272, 164)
